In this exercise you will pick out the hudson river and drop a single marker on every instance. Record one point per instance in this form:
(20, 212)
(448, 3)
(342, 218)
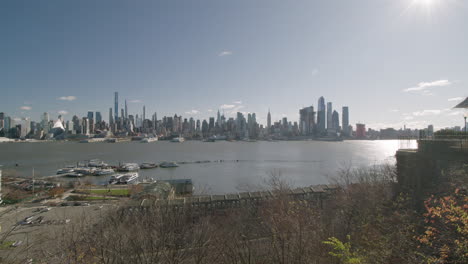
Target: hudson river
(233, 166)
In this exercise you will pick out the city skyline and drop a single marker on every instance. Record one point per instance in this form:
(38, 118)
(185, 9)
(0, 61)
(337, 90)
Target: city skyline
(386, 60)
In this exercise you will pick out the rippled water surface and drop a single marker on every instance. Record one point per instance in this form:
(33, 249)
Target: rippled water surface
(232, 166)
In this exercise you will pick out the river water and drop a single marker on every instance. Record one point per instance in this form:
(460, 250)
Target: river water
(233, 166)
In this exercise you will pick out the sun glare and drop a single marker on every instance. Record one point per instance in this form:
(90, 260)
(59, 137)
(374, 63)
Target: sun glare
(424, 2)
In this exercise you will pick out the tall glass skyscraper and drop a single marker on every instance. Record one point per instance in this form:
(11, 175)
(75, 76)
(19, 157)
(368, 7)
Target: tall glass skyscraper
(345, 120)
(321, 120)
(116, 106)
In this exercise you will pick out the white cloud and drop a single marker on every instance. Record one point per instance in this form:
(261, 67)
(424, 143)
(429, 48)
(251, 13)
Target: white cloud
(455, 99)
(394, 110)
(67, 98)
(134, 101)
(63, 112)
(237, 102)
(192, 112)
(408, 118)
(27, 108)
(315, 72)
(427, 112)
(225, 53)
(210, 110)
(424, 85)
(455, 113)
(227, 106)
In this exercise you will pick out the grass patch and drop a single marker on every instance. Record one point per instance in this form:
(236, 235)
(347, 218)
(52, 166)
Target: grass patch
(111, 192)
(6, 244)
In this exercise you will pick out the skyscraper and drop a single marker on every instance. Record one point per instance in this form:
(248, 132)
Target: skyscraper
(268, 121)
(307, 121)
(144, 113)
(345, 121)
(335, 121)
(329, 116)
(111, 119)
(126, 109)
(116, 106)
(321, 120)
(90, 115)
(98, 117)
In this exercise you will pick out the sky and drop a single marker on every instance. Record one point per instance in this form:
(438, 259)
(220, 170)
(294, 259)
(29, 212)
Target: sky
(393, 62)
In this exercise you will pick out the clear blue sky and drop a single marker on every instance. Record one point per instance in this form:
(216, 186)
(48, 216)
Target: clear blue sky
(196, 56)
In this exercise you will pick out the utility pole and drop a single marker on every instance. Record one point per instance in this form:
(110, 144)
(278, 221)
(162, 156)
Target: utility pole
(33, 181)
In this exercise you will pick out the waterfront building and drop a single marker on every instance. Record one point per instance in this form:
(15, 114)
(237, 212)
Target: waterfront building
(98, 117)
(335, 122)
(306, 121)
(321, 119)
(2, 121)
(144, 113)
(360, 130)
(345, 121)
(85, 126)
(329, 116)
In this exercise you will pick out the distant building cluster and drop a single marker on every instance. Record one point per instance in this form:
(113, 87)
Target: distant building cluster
(322, 123)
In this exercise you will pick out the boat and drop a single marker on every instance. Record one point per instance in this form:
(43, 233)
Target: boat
(128, 178)
(149, 140)
(97, 163)
(101, 172)
(65, 171)
(147, 165)
(178, 139)
(168, 165)
(114, 179)
(74, 175)
(84, 171)
(128, 167)
(111, 140)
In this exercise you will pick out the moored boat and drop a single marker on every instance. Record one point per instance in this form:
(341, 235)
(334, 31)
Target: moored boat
(149, 140)
(65, 170)
(128, 178)
(74, 175)
(128, 167)
(147, 165)
(100, 172)
(178, 139)
(168, 165)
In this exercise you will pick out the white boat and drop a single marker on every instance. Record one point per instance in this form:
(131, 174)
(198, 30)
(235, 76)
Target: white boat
(149, 140)
(65, 170)
(115, 178)
(147, 165)
(178, 139)
(129, 167)
(85, 170)
(97, 163)
(168, 165)
(104, 172)
(128, 178)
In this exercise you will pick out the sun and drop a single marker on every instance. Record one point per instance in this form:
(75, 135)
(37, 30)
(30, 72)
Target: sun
(426, 3)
